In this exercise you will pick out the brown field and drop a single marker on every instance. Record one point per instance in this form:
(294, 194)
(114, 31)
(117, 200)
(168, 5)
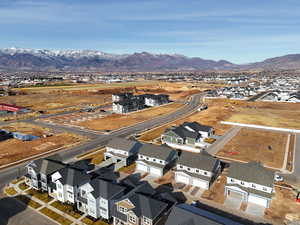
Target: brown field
(258, 145)
(283, 203)
(26, 128)
(13, 149)
(290, 159)
(95, 157)
(116, 121)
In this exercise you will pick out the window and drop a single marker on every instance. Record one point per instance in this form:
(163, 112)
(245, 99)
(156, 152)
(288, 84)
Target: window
(132, 219)
(197, 171)
(188, 169)
(161, 161)
(232, 180)
(181, 167)
(242, 183)
(146, 221)
(154, 160)
(141, 157)
(205, 173)
(253, 185)
(265, 189)
(122, 209)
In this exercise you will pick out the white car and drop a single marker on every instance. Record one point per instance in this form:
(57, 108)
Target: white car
(278, 177)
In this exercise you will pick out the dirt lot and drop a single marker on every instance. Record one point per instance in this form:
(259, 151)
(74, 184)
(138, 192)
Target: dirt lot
(13, 149)
(116, 121)
(259, 145)
(26, 128)
(283, 203)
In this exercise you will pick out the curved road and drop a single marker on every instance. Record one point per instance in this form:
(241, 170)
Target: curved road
(6, 175)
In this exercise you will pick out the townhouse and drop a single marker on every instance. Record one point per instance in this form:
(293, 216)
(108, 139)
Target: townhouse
(156, 160)
(121, 149)
(97, 196)
(197, 169)
(250, 181)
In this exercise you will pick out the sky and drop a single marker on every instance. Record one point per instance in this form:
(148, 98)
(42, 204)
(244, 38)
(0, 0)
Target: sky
(240, 31)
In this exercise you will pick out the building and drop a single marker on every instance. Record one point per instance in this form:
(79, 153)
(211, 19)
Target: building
(197, 169)
(250, 181)
(96, 197)
(156, 160)
(13, 108)
(122, 149)
(121, 97)
(156, 100)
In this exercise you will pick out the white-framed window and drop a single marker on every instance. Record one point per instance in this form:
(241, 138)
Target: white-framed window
(146, 221)
(132, 218)
(264, 189)
(161, 161)
(188, 169)
(122, 209)
(197, 171)
(253, 185)
(181, 167)
(141, 156)
(205, 173)
(154, 160)
(232, 180)
(242, 183)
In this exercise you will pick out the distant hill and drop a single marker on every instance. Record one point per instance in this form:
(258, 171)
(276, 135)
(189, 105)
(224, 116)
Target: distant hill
(19, 59)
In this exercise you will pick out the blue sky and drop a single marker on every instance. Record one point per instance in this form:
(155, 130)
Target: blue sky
(240, 31)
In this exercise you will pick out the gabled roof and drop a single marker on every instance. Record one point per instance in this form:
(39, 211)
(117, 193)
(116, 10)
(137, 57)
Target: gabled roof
(252, 172)
(46, 166)
(184, 133)
(122, 144)
(105, 189)
(202, 160)
(72, 176)
(197, 126)
(157, 151)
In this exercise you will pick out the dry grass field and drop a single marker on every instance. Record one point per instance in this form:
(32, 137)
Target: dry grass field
(258, 145)
(116, 121)
(13, 149)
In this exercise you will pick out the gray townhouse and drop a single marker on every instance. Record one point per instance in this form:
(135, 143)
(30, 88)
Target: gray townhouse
(251, 182)
(66, 182)
(156, 160)
(197, 169)
(97, 197)
(39, 172)
(121, 96)
(121, 149)
(156, 100)
(139, 207)
(189, 136)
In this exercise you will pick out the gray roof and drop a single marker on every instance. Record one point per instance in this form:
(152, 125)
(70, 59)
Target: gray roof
(197, 126)
(122, 144)
(46, 166)
(157, 151)
(72, 176)
(202, 160)
(184, 133)
(105, 189)
(184, 214)
(252, 172)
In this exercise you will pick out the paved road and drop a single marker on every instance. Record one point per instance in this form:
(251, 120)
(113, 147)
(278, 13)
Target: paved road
(220, 143)
(294, 178)
(11, 173)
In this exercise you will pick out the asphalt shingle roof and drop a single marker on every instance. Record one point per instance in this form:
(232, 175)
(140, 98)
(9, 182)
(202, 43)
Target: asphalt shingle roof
(202, 160)
(105, 189)
(197, 126)
(252, 172)
(73, 177)
(156, 151)
(122, 144)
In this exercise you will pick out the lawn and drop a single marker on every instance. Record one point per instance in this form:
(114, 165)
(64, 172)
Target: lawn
(17, 180)
(116, 121)
(53, 215)
(128, 169)
(68, 209)
(43, 196)
(10, 191)
(95, 158)
(28, 201)
(88, 221)
(23, 186)
(259, 145)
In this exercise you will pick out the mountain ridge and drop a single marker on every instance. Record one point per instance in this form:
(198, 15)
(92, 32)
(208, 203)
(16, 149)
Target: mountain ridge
(20, 59)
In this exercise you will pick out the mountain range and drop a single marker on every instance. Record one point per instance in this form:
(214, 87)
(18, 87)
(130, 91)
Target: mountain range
(20, 59)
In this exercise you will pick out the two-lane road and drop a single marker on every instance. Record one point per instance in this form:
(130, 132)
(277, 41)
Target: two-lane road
(6, 175)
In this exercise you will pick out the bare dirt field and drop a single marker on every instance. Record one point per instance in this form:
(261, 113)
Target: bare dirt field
(282, 203)
(258, 145)
(116, 121)
(12, 150)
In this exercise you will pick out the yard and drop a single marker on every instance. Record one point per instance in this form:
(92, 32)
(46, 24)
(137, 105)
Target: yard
(88, 221)
(43, 196)
(95, 157)
(117, 121)
(68, 209)
(27, 201)
(283, 203)
(53, 215)
(258, 145)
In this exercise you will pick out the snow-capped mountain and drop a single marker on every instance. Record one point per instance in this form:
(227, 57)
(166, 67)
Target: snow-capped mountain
(91, 60)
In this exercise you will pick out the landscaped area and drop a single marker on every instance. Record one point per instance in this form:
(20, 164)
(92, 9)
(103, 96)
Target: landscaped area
(256, 145)
(68, 209)
(43, 196)
(29, 202)
(94, 157)
(53, 215)
(88, 221)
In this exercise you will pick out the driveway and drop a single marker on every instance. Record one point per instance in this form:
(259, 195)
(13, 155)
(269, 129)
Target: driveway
(233, 202)
(256, 210)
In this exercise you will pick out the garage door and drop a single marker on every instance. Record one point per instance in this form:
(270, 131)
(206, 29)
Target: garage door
(200, 183)
(257, 200)
(182, 179)
(142, 167)
(235, 194)
(155, 171)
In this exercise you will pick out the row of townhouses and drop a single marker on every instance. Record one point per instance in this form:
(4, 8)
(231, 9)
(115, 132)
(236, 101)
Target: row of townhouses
(282, 96)
(127, 102)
